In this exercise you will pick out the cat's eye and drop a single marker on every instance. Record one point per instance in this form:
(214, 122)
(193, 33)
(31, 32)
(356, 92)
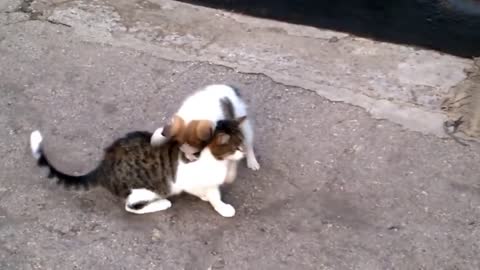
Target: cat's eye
(197, 154)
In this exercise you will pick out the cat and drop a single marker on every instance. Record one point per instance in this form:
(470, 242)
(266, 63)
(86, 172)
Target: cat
(146, 175)
(193, 124)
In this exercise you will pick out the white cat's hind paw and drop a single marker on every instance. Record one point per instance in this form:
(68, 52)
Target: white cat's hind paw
(226, 210)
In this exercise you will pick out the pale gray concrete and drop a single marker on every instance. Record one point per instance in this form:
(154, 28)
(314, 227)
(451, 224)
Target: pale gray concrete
(337, 189)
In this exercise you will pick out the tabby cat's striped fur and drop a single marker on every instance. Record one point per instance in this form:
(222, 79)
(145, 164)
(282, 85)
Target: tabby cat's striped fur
(147, 175)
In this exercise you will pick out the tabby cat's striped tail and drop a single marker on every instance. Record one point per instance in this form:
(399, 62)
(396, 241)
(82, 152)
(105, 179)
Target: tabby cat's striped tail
(85, 180)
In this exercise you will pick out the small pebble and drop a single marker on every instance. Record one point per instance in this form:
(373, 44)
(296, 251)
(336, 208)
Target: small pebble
(333, 39)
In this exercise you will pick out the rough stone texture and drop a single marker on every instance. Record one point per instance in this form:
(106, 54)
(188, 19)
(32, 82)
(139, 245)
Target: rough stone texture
(337, 189)
(464, 102)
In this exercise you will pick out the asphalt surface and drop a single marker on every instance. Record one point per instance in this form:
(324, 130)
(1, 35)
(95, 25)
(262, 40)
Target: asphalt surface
(336, 190)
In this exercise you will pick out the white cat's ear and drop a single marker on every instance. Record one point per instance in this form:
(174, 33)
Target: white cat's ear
(223, 139)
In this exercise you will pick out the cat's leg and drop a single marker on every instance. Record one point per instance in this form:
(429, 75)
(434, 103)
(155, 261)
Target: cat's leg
(200, 193)
(214, 197)
(247, 131)
(143, 201)
(231, 171)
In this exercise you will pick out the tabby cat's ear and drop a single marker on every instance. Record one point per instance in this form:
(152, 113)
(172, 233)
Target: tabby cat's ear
(223, 139)
(241, 119)
(175, 127)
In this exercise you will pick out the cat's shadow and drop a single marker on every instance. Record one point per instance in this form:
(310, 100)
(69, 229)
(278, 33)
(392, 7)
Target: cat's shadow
(102, 203)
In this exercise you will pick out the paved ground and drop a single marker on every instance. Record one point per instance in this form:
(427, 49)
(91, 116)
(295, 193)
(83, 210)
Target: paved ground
(337, 189)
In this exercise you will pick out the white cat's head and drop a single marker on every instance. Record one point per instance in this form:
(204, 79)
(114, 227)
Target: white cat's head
(193, 137)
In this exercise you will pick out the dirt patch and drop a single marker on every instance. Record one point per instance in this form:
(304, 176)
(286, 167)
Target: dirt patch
(464, 102)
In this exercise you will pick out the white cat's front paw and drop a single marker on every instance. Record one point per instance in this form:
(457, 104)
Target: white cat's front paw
(157, 137)
(252, 163)
(226, 210)
(190, 157)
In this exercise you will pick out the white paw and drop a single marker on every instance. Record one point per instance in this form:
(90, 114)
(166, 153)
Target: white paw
(191, 157)
(252, 163)
(151, 207)
(163, 204)
(226, 210)
(157, 137)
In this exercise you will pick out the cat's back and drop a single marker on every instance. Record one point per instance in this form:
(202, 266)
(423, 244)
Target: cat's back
(205, 103)
(136, 146)
(131, 162)
(133, 141)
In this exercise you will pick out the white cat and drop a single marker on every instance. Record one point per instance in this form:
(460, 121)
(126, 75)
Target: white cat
(195, 121)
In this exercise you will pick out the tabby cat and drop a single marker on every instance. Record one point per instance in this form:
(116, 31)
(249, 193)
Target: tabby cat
(146, 175)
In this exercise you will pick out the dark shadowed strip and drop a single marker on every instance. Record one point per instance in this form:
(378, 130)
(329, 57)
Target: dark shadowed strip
(227, 108)
(236, 90)
(173, 155)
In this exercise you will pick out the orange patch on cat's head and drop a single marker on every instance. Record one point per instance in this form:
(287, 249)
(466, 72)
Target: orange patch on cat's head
(175, 129)
(196, 133)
